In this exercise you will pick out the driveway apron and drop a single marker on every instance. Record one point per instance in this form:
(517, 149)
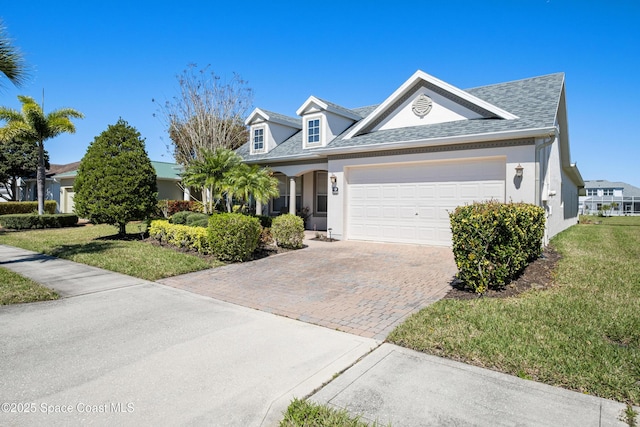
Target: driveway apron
(362, 288)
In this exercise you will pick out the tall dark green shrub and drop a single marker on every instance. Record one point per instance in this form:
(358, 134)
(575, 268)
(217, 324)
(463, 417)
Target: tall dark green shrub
(493, 242)
(233, 236)
(116, 181)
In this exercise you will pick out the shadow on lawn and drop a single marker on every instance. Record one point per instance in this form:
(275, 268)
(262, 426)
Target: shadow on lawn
(66, 251)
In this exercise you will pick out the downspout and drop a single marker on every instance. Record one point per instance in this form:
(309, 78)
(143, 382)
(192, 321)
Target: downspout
(550, 140)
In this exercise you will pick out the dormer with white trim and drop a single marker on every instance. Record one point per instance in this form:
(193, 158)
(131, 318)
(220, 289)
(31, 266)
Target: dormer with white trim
(268, 129)
(426, 100)
(322, 121)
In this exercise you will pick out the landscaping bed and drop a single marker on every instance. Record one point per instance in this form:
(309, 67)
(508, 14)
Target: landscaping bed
(537, 275)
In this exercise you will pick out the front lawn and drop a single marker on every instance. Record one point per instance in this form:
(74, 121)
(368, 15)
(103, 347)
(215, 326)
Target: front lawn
(15, 289)
(99, 246)
(582, 334)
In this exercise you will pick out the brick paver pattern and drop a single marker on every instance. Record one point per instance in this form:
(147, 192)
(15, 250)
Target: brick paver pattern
(362, 288)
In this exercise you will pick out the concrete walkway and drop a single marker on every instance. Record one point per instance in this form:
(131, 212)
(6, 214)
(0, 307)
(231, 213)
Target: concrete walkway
(119, 350)
(362, 288)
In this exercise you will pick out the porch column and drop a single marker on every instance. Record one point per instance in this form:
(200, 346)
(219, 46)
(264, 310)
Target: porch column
(292, 195)
(258, 207)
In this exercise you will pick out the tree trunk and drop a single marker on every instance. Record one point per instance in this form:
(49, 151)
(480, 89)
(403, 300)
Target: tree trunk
(122, 230)
(40, 178)
(14, 188)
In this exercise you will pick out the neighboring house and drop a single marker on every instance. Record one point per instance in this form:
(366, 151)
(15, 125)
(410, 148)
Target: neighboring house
(60, 179)
(392, 172)
(610, 198)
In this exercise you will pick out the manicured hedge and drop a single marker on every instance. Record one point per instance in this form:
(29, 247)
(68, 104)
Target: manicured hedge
(9, 208)
(288, 231)
(182, 236)
(28, 221)
(493, 242)
(233, 236)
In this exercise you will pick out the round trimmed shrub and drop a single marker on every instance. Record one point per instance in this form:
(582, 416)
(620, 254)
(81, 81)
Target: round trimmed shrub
(288, 231)
(197, 219)
(233, 236)
(180, 217)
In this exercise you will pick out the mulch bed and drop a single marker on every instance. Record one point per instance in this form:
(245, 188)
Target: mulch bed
(537, 275)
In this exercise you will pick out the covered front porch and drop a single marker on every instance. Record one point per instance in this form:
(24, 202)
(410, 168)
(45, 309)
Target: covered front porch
(303, 192)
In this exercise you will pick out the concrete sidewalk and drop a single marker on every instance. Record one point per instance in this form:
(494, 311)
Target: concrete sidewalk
(408, 388)
(119, 350)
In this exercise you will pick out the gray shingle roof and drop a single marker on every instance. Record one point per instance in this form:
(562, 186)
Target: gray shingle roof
(295, 122)
(627, 189)
(345, 111)
(534, 101)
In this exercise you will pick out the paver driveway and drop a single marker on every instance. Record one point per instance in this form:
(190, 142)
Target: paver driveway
(362, 288)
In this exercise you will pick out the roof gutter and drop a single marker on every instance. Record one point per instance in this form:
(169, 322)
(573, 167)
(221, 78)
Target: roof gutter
(322, 153)
(450, 140)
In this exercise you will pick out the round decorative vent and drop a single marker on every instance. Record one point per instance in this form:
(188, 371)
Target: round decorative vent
(422, 105)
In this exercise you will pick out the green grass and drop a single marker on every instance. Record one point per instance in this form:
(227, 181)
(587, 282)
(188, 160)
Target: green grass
(302, 413)
(15, 289)
(99, 246)
(584, 334)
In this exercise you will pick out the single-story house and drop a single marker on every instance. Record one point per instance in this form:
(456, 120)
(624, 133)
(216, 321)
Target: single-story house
(60, 178)
(392, 172)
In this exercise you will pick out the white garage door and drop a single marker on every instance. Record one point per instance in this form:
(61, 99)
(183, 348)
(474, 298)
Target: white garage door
(410, 203)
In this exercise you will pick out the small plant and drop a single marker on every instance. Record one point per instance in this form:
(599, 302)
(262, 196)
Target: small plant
(288, 231)
(233, 237)
(629, 416)
(265, 236)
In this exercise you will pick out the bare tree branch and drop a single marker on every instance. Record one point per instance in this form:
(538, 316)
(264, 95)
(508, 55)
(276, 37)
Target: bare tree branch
(208, 113)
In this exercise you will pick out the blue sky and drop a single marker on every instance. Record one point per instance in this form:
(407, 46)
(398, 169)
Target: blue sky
(110, 59)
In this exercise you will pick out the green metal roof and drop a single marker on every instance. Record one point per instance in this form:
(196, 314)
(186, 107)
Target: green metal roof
(164, 170)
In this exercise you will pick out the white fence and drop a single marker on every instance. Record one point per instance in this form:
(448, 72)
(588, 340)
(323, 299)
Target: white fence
(610, 205)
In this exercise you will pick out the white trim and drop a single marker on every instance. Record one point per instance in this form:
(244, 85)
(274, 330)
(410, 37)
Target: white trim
(253, 129)
(421, 75)
(312, 100)
(305, 131)
(258, 113)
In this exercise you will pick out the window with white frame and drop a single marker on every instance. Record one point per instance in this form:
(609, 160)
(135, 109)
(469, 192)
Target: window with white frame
(258, 139)
(607, 192)
(313, 131)
(320, 191)
(592, 191)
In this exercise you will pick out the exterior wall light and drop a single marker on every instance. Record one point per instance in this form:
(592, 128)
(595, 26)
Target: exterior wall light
(334, 183)
(519, 171)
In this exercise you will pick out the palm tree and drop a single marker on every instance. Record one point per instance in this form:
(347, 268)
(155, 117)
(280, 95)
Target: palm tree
(247, 181)
(33, 125)
(209, 174)
(11, 61)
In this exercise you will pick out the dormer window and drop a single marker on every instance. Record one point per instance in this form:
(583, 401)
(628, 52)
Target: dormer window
(258, 140)
(313, 131)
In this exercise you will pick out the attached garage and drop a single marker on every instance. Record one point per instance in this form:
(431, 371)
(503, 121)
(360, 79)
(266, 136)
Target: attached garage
(410, 202)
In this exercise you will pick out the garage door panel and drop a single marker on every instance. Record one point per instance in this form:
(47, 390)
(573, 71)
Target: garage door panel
(411, 204)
